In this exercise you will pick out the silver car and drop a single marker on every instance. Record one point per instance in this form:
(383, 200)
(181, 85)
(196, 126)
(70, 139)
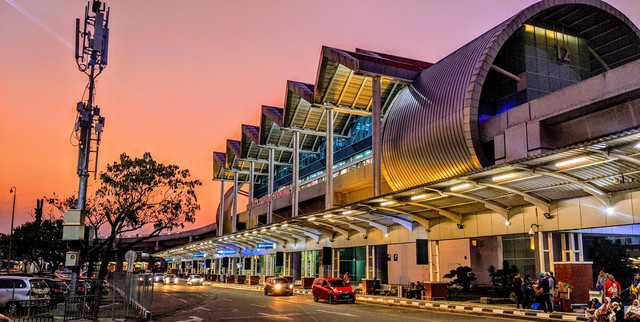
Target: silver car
(19, 288)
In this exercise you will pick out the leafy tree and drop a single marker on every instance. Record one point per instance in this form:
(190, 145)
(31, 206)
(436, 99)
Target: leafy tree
(612, 256)
(38, 243)
(502, 279)
(462, 276)
(142, 192)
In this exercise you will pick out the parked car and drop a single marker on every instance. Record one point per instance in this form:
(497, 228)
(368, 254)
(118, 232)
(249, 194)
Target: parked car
(58, 290)
(333, 290)
(195, 280)
(158, 277)
(20, 288)
(278, 286)
(170, 279)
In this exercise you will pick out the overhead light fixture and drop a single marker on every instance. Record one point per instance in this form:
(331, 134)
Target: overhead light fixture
(609, 210)
(504, 176)
(507, 223)
(637, 146)
(347, 212)
(274, 228)
(285, 225)
(246, 234)
(571, 161)
(386, 235)
(418, 197)
(254, 232)
(327, 216)
(311, 219)
(461, 186)
(387, 203)
(263, 230)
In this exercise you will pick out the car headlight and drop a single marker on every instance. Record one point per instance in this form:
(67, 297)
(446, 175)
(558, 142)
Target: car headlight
(290, 285)
(278, 286)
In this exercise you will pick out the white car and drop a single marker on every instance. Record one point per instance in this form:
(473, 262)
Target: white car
(158, 278)
(195, 280)
(14, 289)
(170, 279)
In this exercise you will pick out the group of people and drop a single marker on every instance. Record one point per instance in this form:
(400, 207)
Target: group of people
(612, 306)
(535, 295)
(415, 290)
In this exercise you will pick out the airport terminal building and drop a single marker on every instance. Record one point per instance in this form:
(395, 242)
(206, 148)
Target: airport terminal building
(521, 147)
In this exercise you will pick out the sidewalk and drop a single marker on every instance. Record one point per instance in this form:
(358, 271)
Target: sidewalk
(451, 306)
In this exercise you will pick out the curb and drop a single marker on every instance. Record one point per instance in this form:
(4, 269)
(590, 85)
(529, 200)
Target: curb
(441, 306)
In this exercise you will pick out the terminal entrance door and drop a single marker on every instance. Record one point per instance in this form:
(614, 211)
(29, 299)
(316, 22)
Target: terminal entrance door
(353, 261)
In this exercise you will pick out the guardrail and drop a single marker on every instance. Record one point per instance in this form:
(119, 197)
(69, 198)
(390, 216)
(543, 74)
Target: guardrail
(30, 310)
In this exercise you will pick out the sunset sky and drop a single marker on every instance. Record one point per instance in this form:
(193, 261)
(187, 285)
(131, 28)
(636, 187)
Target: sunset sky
(184, 75)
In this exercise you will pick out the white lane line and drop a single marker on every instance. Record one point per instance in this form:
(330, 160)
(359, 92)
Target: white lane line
(275, 316)
(183, 300)
(262, 306)
(203, 308)
(332, 312)
(230, 300)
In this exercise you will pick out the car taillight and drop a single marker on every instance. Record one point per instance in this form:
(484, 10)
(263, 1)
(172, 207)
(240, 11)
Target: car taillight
(55, 290)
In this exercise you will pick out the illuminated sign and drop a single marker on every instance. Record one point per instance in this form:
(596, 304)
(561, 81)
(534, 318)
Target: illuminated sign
(199, 255)
(276, 195)
(168, 259)
(267, 245)
(226, 251)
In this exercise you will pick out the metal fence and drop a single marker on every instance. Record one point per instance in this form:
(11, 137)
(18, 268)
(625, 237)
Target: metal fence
(78, 307)
(136, 291)
(30, 310)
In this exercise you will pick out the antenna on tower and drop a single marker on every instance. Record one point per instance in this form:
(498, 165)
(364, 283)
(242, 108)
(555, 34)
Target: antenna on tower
(91, 49)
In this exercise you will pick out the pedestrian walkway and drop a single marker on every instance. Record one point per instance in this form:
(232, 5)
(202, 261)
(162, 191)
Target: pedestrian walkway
(450, 306)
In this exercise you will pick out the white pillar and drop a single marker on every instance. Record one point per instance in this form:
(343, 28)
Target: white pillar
(221, 216)
(376, 135)
(329, 159)
(270, 186)
(251, 175)
(296, 174)
(235, 202)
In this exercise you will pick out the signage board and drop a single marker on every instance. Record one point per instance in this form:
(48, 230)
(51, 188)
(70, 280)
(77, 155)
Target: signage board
(226, 251)
(168, 259)
(266, 245)
(199, 255)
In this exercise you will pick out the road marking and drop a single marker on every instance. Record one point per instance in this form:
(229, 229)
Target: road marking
(203, 308)
(193, 319)
(230, 300)
(332, 312)
(262, 306)
(183, 300)
(275, 316)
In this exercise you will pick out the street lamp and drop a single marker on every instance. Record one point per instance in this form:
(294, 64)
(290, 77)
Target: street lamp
(13, 211)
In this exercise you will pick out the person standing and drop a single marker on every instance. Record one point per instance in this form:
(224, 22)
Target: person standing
(518, 285)
(602, 278)
(552, 287)
(545, 295)
(635, 286)
(612, 288)
(346, 278)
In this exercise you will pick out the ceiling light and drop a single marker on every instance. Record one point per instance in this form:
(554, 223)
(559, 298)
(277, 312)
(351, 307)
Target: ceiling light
(312, 219)
(347, 212)
(570, 162)
(387, 203)
(274, 228)
(285, 225)
(637, 146)
(254, 232)
(504, 176)
(263, 230)
(386, 235)
(461, 186)
(507, 223)
(609, 211)
(418, 197)
(246, 234)
(327, 216)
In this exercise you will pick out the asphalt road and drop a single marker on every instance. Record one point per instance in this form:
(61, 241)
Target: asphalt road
(208, 303)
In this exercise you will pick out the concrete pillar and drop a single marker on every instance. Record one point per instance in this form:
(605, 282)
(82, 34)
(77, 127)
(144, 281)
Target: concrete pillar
(270, 186)
(235, 202)
(251, 175)
(376, 135)
(296, 174)
(220, 218)
(328, 198)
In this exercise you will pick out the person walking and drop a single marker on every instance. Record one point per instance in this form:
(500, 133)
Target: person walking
(612, 288)
(545, 296)
(518, 289)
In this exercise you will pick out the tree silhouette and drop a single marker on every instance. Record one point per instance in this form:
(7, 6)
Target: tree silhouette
(462, 276)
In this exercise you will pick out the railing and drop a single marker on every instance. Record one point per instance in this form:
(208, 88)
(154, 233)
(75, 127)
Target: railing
(136, 289)
(29, 310)
(78, 307)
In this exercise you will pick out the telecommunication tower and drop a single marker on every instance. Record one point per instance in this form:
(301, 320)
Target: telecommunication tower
(92, 44)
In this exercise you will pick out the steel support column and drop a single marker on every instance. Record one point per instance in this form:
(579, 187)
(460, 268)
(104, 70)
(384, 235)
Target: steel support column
(270, 186)
(296, 173)
(251, 170)
(376, 136)
(220, 218)
(234, 221)
(328, 198)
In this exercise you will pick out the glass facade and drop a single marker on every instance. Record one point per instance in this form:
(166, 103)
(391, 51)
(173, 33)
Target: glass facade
(353, 260)
(546, 60)
(517, 251)
(310, 265)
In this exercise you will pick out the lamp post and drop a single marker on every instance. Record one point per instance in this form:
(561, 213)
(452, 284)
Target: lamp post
(13, 211)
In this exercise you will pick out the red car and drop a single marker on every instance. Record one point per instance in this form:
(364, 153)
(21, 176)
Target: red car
(332, 290)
